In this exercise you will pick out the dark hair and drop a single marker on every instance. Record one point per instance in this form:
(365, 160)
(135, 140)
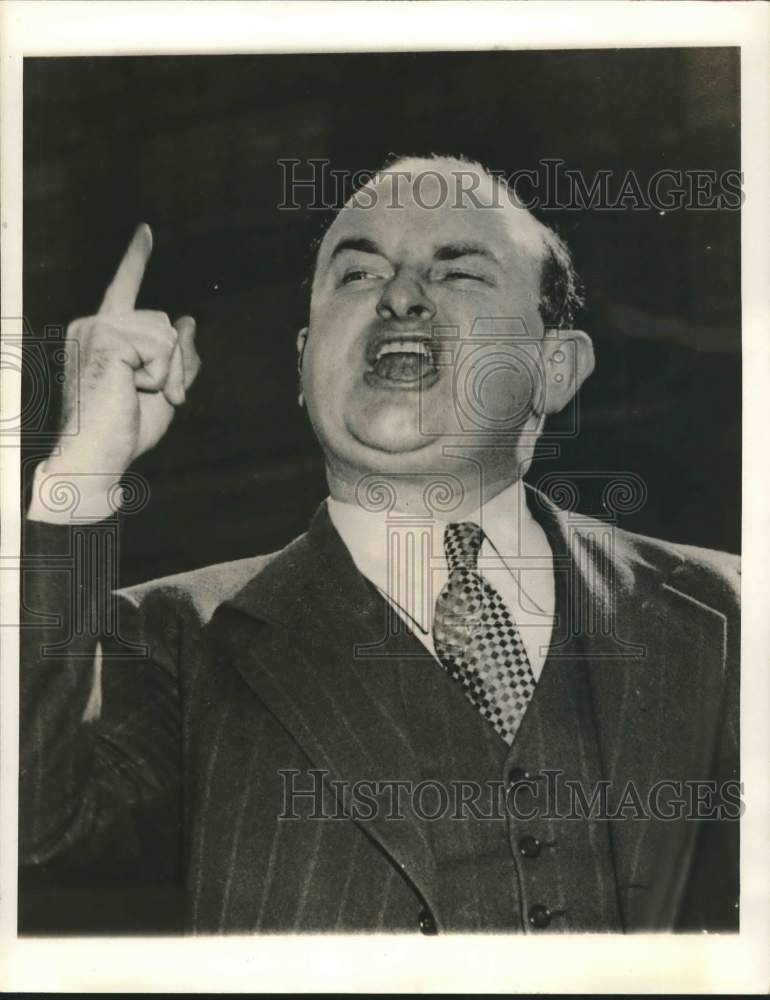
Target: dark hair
(561, 290)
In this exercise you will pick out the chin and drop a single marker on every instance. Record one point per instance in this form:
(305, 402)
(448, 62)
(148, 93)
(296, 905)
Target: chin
(395, 434)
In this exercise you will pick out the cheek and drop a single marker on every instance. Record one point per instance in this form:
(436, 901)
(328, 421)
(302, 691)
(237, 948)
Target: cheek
(331, 358)
(497, 389)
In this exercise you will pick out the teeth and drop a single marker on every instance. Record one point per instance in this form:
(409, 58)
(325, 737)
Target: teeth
(403, 347)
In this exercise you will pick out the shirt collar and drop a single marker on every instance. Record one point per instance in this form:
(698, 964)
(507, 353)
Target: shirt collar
(403, 555)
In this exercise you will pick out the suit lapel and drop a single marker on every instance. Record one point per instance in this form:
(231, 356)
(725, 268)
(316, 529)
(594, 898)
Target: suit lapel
(655, 669)
(294, 634)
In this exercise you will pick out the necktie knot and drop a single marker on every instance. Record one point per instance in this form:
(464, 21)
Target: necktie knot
(462, 544)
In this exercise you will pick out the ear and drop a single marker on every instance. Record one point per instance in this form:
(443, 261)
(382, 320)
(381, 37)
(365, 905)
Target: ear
(568, 360)
(301, 341)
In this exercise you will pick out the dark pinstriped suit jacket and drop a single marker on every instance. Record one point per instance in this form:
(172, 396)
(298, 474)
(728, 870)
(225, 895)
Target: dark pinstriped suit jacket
(168, 768)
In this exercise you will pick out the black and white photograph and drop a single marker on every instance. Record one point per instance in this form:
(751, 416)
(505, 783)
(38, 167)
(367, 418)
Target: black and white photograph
(381, 482)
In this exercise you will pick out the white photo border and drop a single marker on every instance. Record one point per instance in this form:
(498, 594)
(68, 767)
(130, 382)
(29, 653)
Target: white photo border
(376, 963)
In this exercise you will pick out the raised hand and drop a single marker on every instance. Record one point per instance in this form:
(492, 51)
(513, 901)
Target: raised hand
(126, 373)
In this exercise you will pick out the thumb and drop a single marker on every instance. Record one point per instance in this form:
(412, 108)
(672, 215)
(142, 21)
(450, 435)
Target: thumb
(185, 327)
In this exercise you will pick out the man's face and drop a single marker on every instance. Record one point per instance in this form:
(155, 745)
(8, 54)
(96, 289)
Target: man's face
(403, 354)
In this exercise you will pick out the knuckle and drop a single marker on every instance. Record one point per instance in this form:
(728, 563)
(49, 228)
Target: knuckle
(167, 335)
(160, 318)
(88, 329)
(95, 333)
(103, 340)
(155, 323)
(154, 379)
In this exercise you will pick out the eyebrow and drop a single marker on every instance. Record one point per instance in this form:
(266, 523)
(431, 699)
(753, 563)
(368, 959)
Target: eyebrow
(356, 243)
(451, 251)
(447, 251)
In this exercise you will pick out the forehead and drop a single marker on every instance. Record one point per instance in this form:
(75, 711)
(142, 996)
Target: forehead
(411, 210)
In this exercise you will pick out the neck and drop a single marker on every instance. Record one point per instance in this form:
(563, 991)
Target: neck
(432, 494)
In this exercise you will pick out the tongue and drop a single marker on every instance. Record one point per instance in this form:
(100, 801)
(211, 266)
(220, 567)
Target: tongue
(404, 367)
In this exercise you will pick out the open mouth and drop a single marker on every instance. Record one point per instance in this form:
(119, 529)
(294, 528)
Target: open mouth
(400, 363)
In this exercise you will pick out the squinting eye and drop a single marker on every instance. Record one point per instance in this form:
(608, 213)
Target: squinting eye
(358, 275)
(461, 274)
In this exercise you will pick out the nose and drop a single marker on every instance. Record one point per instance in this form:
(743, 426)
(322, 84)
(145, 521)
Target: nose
(404, 298)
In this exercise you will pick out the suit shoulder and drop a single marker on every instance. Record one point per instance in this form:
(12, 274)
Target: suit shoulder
(198, 591)
(711, 561)
(714, 575)
(708, 575)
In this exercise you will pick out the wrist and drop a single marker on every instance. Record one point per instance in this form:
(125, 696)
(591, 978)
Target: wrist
(65, 497)
(78, 458)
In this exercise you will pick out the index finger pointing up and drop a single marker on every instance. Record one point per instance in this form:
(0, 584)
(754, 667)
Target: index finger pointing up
(121, 294)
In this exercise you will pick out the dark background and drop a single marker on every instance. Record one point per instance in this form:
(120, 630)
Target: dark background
(191, 144)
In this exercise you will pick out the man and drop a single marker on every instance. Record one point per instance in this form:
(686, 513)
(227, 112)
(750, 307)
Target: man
(322, 738)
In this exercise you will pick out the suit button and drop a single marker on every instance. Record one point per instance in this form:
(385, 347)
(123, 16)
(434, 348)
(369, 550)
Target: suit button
(517, 774)
(539, 916)
(426, 922)
(529, 847)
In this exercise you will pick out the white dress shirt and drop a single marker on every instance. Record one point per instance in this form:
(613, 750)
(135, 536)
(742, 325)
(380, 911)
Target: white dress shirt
(403, 556)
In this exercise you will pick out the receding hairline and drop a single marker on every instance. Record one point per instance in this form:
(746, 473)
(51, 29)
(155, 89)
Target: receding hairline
(532, 235)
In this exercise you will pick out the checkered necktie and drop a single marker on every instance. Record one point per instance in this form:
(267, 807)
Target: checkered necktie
(477, 640)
